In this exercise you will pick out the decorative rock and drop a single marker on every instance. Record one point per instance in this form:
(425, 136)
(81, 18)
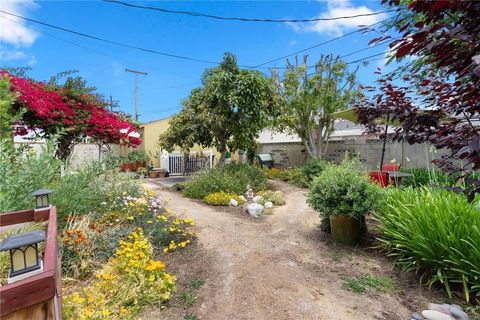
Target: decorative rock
(257, 199)
(243, 198)
(416, 316)
(435, 315)
(233, 203)
(268, 205)
(443, 308)
(255, 210)
(458, 313)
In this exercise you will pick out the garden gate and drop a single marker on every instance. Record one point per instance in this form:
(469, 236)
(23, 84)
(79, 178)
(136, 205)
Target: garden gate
(178, 164)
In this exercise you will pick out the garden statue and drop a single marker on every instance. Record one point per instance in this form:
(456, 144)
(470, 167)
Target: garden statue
(249, 193)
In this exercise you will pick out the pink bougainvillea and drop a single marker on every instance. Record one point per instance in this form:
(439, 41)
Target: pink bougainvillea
(52, 110)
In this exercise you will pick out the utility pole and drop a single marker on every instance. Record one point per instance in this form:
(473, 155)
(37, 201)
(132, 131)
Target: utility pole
(136, 88)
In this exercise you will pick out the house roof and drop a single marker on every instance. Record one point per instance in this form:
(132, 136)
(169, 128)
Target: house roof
(153, 121)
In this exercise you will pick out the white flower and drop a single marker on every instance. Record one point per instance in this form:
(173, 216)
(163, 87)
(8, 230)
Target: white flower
(124, 130)
(393, 161)
(134, 134)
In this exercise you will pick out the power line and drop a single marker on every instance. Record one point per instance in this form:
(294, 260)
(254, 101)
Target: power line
(204, 15)
(319, 44)
(110, 41)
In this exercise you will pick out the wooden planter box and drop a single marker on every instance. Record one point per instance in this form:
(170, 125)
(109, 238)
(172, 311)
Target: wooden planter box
(39, 296)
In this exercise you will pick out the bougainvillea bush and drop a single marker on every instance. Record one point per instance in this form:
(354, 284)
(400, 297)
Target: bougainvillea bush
(50, 110)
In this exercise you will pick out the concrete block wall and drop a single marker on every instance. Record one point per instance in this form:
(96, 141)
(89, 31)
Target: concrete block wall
(369, 150)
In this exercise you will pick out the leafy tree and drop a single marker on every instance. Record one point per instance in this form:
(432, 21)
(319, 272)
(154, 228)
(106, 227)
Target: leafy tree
(7, 116)
(227, 112)
(307, 101)
(440, 101)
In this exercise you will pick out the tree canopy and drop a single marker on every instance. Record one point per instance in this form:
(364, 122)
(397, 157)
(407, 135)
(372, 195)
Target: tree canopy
(227, 112)
(440, 100)
(308, 100)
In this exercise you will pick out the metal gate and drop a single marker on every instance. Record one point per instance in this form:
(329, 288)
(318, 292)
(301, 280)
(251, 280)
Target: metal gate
(178, 164)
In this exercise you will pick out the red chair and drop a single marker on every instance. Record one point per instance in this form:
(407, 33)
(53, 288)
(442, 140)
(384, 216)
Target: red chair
(380, 177)
(391, 167)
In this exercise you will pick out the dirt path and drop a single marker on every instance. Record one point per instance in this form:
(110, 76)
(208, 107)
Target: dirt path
(278, 267)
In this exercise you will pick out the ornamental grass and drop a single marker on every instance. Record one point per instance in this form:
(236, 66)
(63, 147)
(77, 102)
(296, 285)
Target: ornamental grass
(435, 233)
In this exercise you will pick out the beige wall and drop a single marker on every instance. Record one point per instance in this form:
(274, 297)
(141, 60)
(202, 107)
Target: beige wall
(151, 132)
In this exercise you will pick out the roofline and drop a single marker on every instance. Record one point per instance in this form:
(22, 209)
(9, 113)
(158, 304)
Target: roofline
(143, 124)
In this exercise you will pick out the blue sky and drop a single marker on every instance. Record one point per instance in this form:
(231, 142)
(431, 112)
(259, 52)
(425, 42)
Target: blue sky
(169, 80)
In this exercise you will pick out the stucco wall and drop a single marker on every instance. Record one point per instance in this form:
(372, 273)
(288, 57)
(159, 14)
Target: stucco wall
(150, 134)
(369, 150)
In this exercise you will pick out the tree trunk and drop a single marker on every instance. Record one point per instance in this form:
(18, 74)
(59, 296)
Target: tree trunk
(223, 150)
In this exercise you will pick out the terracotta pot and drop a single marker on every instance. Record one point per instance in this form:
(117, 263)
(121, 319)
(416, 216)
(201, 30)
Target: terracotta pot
(161, 174)
(153, 174)
(345, 230)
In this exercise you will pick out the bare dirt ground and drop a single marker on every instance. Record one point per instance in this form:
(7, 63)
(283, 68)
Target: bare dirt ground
(278, 267)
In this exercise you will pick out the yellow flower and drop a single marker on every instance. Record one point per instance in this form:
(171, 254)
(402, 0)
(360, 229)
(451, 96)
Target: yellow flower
(152, 278)
(149, 221)
(130, 218)
(123, 310)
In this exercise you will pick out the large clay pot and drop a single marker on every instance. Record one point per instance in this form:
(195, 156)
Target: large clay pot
(345, 230)
(162, 173)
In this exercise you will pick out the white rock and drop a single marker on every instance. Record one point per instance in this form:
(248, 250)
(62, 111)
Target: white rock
(257, 198)
(435, 315)
(255, 210)
(233, 203)
(243, 198)
(268, 205)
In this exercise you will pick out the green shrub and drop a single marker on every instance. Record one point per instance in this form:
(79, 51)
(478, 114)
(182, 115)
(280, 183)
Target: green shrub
(426, 177)
(221, 198)
(313, 168)
(275, 197)
(343, 190)
(233, 178)
(23, 171)
(301, 176)
(433, 232)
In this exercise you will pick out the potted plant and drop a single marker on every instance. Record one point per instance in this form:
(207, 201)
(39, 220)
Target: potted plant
(343, 196)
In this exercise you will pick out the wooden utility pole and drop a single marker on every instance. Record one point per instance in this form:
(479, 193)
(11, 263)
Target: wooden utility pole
(136, 88)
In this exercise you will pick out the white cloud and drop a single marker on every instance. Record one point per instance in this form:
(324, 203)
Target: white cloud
(340, 8)
(12, 29)
(16, 55)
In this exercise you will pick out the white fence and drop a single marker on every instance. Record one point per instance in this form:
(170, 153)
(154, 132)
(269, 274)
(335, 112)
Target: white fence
(177, 164)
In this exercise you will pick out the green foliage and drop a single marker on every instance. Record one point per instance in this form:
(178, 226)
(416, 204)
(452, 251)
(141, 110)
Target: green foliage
(137, 156)
(7, 116)
(436, 233)
(189, 296)
(275, 197)
(23, 172)
(221, 198)
(427, 177)
(308, 101)
(229, 110)
(343, 190)
(293, 175)
(233, 178)
(361, 284)
(313, 168)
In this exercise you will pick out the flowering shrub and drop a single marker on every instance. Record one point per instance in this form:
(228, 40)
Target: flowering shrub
(128, 282)
(221, 198)
(53, 109)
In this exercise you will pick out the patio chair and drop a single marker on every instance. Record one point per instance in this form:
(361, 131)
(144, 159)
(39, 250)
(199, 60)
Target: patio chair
(391, 167)
(380, 177)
